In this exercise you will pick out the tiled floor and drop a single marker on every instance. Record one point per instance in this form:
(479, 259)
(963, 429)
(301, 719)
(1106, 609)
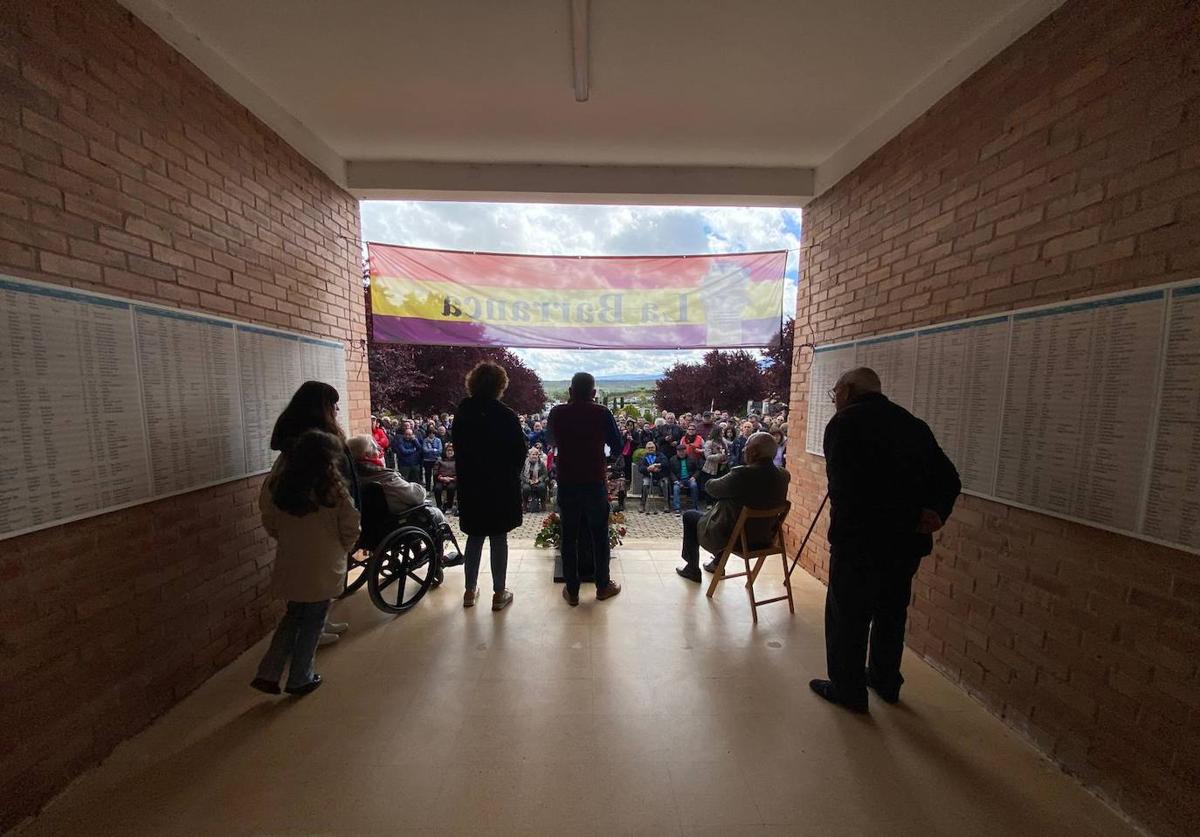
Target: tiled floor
(657, 713)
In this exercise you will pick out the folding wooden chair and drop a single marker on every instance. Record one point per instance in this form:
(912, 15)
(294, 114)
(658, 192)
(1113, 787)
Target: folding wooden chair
(737, 545)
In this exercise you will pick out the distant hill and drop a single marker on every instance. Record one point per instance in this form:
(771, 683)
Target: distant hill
(610, 380)
(635, 389)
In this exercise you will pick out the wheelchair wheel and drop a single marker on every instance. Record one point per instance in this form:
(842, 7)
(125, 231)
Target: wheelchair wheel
(402, 569)
(356, 572)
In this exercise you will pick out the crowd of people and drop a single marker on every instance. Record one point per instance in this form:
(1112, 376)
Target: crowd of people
(890, 488)
(676, 456)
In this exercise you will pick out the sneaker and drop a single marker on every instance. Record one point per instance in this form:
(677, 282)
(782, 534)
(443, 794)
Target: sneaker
(572, 599)
(337, 627)
(608, 591)
(501, 600)
(327, 639)
(470, 597)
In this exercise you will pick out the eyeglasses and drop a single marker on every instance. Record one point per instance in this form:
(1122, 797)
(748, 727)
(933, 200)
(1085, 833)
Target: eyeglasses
(832, 393)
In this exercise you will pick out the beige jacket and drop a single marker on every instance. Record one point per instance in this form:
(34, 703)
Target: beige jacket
(310, 554)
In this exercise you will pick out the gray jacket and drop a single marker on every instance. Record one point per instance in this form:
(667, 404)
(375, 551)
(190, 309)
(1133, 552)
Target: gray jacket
(759, 486)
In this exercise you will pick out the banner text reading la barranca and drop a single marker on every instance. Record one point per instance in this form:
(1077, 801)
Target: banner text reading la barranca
(451, 298)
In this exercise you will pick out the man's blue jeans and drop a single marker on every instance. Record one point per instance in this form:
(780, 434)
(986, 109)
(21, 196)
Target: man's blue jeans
(693, 489)
(296, 640)
(583, 511)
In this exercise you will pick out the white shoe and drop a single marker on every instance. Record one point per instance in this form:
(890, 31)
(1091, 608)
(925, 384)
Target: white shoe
(336, 627)
(327, 639)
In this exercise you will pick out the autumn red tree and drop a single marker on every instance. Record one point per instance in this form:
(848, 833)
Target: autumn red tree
(777, 366)
(724, 380)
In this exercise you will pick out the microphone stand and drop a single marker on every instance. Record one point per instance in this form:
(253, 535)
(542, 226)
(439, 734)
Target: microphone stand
(807, 535)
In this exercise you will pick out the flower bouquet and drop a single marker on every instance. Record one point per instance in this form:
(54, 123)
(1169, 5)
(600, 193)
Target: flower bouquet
(550, 535)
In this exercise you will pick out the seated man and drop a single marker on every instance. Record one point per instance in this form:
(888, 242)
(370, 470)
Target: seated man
(685, 473)
(534, 481)
(401, 495)
(654, 474)
(757, 484)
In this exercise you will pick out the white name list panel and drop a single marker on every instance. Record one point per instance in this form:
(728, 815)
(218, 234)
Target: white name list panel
(1088, 410)
(105, 402)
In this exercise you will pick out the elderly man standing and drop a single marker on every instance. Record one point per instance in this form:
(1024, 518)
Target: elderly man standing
(757, 484)
(890, 488)
(580, 429)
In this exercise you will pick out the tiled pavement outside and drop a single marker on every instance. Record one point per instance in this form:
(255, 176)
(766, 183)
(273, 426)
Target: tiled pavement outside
(640, 527)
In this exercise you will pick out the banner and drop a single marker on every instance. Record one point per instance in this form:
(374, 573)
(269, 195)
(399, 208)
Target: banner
(451, 298)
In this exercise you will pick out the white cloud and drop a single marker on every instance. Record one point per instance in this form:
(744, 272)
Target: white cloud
(587, 230)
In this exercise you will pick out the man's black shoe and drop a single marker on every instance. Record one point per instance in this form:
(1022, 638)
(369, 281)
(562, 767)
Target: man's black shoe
(888, 696)
(825, 689)
(266, 686)
(711, 566)
(307, 689)
(572, 600)
(690, 573)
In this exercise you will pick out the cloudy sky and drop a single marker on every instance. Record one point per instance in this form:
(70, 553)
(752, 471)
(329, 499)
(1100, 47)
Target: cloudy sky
(575, 230)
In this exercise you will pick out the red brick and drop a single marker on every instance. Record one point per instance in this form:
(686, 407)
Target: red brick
(73, 268)
(1089, 180)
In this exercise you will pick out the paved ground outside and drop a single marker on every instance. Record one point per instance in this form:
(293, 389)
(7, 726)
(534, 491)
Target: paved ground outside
(640, 527)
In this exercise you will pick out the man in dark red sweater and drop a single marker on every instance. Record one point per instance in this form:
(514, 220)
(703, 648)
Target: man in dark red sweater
(580, 429)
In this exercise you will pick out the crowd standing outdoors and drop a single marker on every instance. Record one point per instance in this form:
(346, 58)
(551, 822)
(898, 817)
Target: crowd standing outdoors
(890, 488)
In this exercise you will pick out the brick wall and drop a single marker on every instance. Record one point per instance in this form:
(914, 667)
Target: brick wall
(1068, 166)
(123, 169)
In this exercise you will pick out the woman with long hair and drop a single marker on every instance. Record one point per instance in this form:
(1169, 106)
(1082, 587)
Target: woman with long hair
(308, 511)
(490, 449)
(314, 406)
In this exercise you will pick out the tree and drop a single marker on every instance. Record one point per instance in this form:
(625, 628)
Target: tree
(724, 380)
(525, 392)
(777, 370)
(395, 375)
(431, 379)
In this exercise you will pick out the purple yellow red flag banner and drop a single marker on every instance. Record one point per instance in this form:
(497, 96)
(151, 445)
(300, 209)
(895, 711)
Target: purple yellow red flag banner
(453, 298)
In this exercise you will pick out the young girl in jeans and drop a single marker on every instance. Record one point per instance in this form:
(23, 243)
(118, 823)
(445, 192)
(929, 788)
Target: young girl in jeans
(308, 511)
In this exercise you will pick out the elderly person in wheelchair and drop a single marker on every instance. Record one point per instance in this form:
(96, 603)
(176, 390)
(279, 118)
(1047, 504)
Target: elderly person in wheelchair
(404, 504)
(758, 484)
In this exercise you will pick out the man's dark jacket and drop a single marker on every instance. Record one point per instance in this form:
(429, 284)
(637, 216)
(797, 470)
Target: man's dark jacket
(884, 467)
(675, 468)
(759, 486)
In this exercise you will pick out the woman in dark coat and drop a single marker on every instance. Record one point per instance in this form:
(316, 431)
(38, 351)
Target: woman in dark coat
(490, 449)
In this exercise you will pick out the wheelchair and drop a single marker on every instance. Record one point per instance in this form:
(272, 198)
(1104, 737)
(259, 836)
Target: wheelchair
(405, 553)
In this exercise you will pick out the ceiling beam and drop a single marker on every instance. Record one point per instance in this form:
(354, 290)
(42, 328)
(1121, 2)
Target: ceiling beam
(684, 185)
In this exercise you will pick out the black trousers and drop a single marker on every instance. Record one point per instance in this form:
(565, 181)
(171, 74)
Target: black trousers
(866, 608)
(691, 538)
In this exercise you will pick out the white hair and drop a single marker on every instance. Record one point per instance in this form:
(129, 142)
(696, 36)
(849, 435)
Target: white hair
(860, 381)
(760, 447)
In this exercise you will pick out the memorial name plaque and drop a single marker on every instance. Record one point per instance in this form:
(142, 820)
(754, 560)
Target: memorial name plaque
(1087, 410)
(107, 402)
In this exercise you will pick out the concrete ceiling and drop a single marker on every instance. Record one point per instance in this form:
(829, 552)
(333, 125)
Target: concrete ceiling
(691, 100)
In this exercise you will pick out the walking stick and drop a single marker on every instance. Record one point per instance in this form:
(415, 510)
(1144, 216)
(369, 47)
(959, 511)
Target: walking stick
(807, 535)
